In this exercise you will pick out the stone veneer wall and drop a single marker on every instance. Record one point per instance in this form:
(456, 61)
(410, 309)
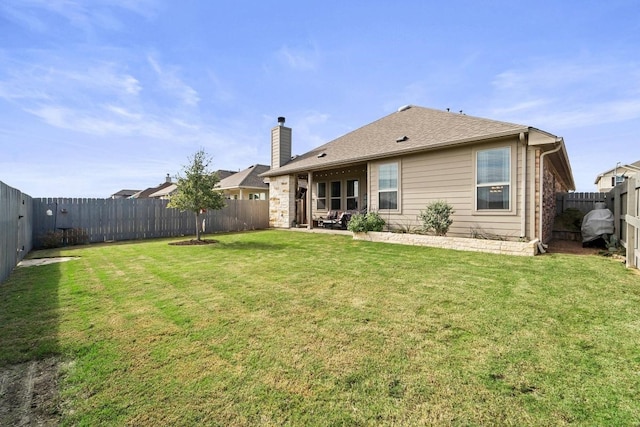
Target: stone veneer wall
(281, 201)
(459, 243)
(549, 189)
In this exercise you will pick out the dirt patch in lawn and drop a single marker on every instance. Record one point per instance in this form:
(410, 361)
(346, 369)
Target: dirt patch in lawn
(44, 261)
(571, 247)
(29, 393)
(194, 242)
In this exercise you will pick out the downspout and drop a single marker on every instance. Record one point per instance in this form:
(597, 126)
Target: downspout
(523, 219)
(541, 246)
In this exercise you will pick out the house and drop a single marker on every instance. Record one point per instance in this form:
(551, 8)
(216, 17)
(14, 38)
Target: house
(147, 193)
(164, 192)
(246, 184)
(501, 178)
(243, 185)
(222, 173)
(609, 179)
(123, 194)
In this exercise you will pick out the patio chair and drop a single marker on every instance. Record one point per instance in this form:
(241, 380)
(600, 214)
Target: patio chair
(337, 219)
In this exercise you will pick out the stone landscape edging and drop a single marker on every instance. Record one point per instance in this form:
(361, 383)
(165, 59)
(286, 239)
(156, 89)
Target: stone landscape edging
(502, 247)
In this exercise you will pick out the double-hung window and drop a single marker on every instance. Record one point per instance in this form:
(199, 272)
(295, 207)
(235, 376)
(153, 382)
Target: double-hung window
(388, 186)
(336, 196)
(321, 196)
(493, 179)
(352, 194)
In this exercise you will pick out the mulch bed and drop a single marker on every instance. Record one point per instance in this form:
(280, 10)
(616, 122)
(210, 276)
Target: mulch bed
(571, 247)
(193, 242)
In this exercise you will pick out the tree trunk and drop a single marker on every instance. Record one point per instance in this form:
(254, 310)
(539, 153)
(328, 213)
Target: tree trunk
(198, 225)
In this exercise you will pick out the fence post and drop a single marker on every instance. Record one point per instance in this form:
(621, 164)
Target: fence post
(632, 219)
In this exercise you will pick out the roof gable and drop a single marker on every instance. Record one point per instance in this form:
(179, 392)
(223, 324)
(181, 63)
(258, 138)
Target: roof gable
(410, 129)
(149, 191)
(247, 178)
(633, 167)
(125, 193)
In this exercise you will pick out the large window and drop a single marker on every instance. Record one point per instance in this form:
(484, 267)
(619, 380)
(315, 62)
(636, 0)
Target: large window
(388, 186)
(352, 194)
(321, 197)
(336, 196)
(493, 179)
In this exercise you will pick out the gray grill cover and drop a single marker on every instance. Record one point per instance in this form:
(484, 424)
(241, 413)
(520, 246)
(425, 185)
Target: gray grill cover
(597, 223)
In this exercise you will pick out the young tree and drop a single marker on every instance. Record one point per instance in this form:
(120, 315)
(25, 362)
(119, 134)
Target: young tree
(196, 189)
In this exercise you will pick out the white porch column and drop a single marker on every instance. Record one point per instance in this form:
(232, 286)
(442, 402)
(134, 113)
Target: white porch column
(309, 200)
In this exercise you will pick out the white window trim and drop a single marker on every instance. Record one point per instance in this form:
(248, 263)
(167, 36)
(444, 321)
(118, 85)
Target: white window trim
(397, 190)
(512, 183)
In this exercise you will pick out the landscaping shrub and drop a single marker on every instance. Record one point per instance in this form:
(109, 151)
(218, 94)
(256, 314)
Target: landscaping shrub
(359, 223)
(51, 239)
(58, 238)
(437, 217)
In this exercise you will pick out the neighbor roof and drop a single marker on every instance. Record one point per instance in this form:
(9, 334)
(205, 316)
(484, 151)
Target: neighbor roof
(222, 174)
(144, 194)
(125, 193)
(164, 191)
(410, 129)
(248, 178)
(635, 166)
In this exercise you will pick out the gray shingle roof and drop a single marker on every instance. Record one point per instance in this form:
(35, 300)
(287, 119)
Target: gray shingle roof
(248, 178)
(222, 174)
(124, 193)
(144, 194)
(407, 130)
(164, 191)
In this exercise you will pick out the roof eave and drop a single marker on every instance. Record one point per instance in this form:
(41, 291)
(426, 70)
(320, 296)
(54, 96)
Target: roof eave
(395, 153)
(242, 187)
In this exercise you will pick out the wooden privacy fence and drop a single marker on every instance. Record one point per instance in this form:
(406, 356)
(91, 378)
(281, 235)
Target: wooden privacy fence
(15, 228)
(129, 219)
(584, 202)
(625, 202)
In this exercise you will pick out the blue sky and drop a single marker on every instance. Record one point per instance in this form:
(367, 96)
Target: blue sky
(102, 95)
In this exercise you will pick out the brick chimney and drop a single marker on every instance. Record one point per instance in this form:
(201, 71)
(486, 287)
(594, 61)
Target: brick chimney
(280, 144)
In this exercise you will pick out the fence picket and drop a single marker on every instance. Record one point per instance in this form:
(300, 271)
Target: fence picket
(584, 202)
(129, 219)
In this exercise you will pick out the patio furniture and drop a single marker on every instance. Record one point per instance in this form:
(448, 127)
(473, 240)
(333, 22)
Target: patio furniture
(335, 219)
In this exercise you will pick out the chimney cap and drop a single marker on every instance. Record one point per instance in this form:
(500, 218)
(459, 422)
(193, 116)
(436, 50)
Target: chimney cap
(281, 121)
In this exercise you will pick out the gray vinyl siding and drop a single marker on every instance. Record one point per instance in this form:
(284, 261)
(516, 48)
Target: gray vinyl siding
(450, 175)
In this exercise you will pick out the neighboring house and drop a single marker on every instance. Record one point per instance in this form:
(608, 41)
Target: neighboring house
(222, 174)
(165, 192)
(607, 180)
(123, 194)
(145, 194)
(501, 178)
(246, 184)
(243, 185)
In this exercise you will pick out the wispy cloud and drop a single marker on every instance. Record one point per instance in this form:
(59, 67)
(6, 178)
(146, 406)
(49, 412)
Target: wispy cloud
(298, 59)
(41, 77)
(573, 93)
(63, 91)
(169, 81)
(309, 129)
(83, 14)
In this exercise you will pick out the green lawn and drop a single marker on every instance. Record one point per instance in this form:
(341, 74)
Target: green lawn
(284, 328)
